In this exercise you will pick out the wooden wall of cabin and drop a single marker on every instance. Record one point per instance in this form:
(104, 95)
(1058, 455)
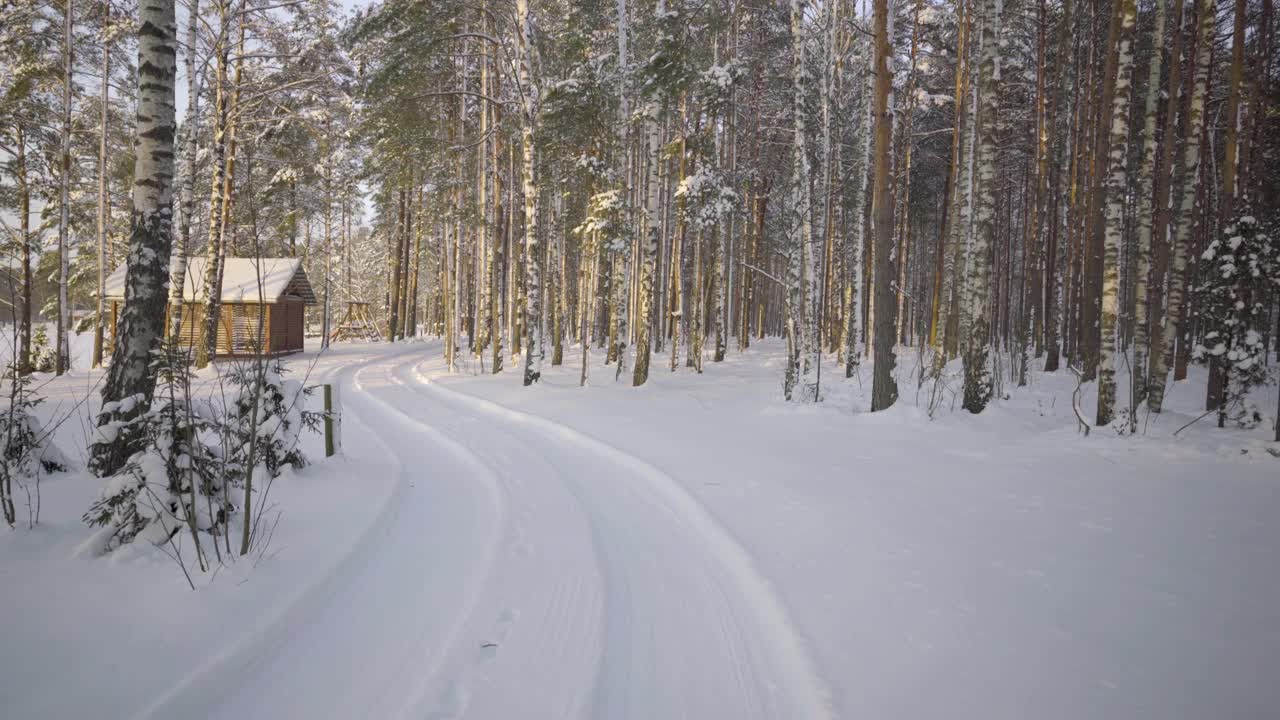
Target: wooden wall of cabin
(285, 323)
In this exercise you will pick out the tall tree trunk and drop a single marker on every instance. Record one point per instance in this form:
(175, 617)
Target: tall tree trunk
(1189, 173)
(1061, 126)
(104, 200)
(802, 310)
(950, 247)
(977, 373)
(325, 308)
(226, 110)
(63, 354)
(1117, 185)
(649, 254)
(187, 201)
(854, 255)
(533, 277)
(884, 388)
(393, 292)
(24, 231)
(1146, 198)
(140, 324)
(1215, 392)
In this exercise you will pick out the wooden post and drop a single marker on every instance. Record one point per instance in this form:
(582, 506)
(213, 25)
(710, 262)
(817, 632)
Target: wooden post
(332, 421)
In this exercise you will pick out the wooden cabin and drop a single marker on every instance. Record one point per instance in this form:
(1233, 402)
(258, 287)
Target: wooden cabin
(273, 291)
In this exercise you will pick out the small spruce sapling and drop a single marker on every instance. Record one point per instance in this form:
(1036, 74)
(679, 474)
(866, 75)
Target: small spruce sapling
(277, 424)
(1244, 271)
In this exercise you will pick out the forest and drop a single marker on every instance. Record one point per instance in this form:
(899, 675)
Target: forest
(665, 183)
(639, 359)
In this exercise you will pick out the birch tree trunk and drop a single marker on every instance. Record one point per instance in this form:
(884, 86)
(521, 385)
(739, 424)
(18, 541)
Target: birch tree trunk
(140, 324)
(1146, 198)
(1117, 184)
(800, 312)
(223, 180)
(187, 202)
(1184, 218)
(649, 255)
(977, 373)
(533, 278)
(947, 255)
(854, 255)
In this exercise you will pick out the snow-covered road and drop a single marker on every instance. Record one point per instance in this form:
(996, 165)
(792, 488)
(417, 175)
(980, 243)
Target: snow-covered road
(540, 574)
(695, 548)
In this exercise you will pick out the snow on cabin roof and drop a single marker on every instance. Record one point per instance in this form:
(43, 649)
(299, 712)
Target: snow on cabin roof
(244, 280)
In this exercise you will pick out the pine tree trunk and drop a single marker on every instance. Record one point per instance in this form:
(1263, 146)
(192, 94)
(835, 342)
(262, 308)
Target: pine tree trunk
(884, 389)
(63, 357)
(104, 200)
(140, 324)
(1215, 392)
(24, 232)
(398, 238)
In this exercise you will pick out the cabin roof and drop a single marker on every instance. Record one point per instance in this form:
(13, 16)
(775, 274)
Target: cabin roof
(244, 280)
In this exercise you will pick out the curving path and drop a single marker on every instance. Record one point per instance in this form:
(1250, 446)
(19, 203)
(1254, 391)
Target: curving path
(519, 569)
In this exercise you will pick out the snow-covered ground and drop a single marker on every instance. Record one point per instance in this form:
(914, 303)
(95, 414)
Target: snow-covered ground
(694, 548)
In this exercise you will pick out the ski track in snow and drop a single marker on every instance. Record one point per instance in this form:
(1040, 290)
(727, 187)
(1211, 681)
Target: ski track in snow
(691, 629)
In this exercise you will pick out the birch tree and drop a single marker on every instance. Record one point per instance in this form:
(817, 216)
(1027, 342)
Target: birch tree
(533, 277)
(977, 371)
(140, 326)
(1117, 186)
(802, 320)
(1188, 172)
(1144, 212)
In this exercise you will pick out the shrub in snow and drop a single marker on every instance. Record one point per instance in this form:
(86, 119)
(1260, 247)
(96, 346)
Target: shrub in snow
(1243, 271)
(27, 452)
(44, 357)
(177, 480)
(265, 418)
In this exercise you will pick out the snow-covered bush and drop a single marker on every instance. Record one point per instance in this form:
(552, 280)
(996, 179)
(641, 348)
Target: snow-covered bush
(1244, 271)
(27, 452)
(44, 357)
(177, 481)
(265, 418)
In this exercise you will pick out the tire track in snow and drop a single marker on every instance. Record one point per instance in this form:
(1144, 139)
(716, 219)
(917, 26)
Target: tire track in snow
(551, 613)
(366, 638)
(271, 627)
(769, 663)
